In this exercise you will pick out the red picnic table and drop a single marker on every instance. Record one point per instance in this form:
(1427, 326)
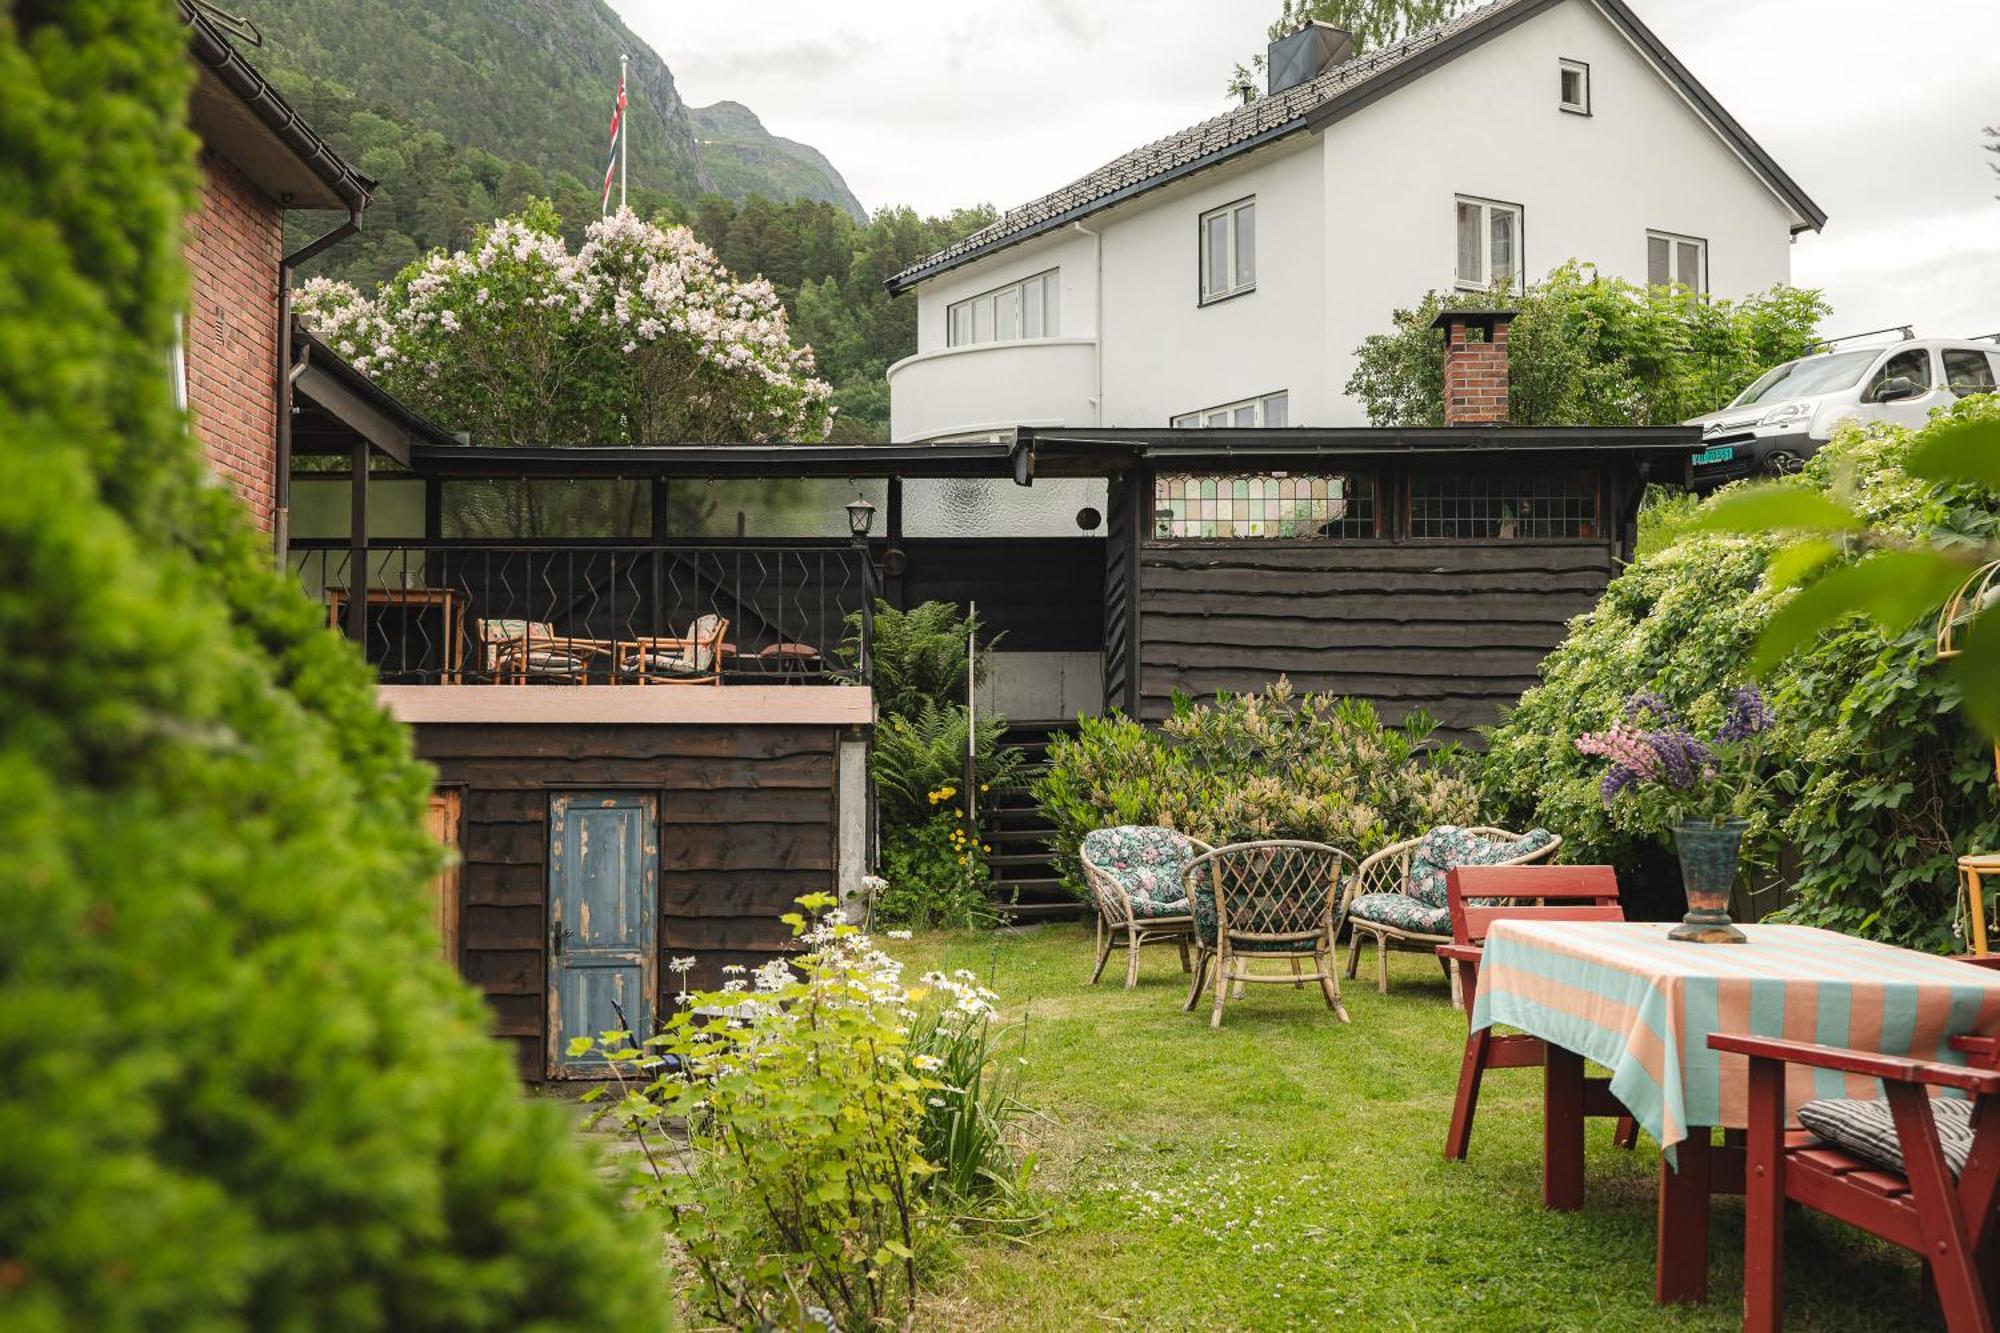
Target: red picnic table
(1623, 995)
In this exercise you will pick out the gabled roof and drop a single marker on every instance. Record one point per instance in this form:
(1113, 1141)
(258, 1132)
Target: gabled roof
(240, 115)
(1318, 103)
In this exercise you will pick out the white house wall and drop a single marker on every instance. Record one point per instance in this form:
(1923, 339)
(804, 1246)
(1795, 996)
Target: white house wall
(1488, 124)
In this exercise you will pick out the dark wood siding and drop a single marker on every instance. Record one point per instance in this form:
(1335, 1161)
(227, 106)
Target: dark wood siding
(747, 818)
(1455, 629)
(1044, 594)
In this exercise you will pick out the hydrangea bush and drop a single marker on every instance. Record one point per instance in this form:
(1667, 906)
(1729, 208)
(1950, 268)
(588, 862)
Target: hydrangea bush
(639, 337)
(1878, 780)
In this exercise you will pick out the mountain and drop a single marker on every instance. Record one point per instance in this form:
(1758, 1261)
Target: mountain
(531, 82)
(743, 158)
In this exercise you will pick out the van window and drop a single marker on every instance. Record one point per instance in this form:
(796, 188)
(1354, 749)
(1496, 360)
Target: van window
(1913, 365)
(1807, 376)
(1967, 372)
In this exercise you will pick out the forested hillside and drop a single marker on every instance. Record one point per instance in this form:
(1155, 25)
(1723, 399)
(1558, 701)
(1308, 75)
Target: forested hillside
(464, 110)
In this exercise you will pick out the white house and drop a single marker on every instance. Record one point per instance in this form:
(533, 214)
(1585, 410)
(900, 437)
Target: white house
(1227, 273)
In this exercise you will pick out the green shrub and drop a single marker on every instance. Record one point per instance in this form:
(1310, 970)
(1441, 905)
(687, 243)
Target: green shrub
(917, 754)
(240, 1091)
(1890, 782)
(920, 656)
(936, 873)
(1251, 766)
(812, 1095)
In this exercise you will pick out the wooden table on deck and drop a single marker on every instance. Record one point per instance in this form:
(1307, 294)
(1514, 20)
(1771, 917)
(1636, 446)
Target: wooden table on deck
(1626, 997)
(445, 599)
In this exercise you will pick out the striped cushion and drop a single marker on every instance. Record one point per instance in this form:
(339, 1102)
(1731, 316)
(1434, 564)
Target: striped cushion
(1864, 1126)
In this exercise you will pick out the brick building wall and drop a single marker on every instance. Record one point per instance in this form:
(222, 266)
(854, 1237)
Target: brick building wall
(1475, 373)
(235, 240)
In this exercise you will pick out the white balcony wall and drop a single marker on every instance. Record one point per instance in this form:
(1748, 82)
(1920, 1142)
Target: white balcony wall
(993, 387)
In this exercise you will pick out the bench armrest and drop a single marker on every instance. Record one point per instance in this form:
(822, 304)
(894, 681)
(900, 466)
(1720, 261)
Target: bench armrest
(1869, 1064)
(1460, 953)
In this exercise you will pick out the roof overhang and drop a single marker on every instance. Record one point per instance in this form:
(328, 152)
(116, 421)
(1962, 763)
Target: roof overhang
(337, 406)
(1104, 452)
(716, 460)
(241, 117)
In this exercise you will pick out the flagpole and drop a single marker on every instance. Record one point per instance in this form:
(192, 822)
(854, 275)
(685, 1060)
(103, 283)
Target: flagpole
(624, 130)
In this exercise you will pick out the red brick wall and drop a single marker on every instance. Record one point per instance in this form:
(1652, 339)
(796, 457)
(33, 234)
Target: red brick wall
(1475, 377)
(235, 240)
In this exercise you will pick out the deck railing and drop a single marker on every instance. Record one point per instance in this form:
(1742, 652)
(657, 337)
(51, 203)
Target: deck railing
(453, 611)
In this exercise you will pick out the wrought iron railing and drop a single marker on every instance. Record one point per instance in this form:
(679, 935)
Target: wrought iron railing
(545, 613)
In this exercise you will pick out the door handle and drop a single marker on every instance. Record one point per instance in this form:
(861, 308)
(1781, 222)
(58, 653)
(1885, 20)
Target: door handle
(556, 939)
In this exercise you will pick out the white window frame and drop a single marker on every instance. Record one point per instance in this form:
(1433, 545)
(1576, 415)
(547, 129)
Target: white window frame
(1050, 282)
(1487, 208)
(1237, 285)
(1224, 415)
(1582, 70)
(1675, 240)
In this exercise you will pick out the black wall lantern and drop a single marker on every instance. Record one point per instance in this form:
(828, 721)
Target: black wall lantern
(860, 518)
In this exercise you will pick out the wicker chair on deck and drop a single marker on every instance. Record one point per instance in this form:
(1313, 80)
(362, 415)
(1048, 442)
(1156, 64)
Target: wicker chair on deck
(1398, 897)
(1273, 899)
(1137, 876)
(514, 652)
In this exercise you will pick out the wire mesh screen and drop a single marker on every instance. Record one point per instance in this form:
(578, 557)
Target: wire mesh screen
(1481, 506)
(1276, 505)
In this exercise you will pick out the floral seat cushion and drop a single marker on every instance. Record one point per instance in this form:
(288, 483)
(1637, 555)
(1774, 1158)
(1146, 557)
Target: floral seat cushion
(1148, 863)
(1424, 903)
(1401, 911)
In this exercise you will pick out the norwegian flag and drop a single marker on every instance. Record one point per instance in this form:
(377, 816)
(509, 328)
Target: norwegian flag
(617, 128)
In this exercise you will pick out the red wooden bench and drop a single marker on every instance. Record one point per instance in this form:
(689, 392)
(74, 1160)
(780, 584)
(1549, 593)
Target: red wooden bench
(1949, 1223)
(1519, 893)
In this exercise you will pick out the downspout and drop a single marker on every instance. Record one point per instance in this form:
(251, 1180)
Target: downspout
(1097, 237)
(281, 483)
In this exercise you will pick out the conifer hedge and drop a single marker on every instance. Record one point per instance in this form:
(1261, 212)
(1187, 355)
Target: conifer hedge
(236, 1089)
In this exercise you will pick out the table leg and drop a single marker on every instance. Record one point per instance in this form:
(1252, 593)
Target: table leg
(1562, 1129)
(1680, 1261)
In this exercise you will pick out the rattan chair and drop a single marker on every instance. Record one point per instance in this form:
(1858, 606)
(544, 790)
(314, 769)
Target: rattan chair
(694, 658)
(1276, 899)
(1137, 876)
(515, 652)
(1419, 924)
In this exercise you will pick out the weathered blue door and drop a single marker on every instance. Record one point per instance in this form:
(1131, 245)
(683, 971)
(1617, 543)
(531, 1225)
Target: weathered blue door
(604, 878)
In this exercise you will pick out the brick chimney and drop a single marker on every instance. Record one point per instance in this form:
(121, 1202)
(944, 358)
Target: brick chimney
(1475, 366)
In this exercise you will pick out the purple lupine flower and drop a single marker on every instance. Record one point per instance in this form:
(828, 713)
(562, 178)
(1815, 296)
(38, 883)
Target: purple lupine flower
(1748, 716)
(1684, 761)
(1643, 705)
(1616, 779)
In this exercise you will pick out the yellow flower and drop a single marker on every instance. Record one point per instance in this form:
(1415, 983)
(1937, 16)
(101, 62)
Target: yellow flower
(984, 787)
(946, 793)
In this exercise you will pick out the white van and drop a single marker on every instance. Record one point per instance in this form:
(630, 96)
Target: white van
(1780, 421)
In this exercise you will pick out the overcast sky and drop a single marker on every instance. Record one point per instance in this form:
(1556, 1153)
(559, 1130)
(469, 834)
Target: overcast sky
(1874, 108)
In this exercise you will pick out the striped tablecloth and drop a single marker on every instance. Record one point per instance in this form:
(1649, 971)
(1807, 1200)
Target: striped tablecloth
(1622, 994)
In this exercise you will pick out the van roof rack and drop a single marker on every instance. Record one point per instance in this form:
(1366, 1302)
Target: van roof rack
(1908, 331)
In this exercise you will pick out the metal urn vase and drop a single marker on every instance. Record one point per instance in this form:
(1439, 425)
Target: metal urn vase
(1708, 872)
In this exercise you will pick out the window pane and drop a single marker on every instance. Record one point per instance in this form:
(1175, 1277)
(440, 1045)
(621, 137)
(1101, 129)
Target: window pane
(1187, 419)
(1007, 314)
(1967, 372)
(1506, 248)
(1572, 87)
(996, 507)
(961, 325)
(1690, 253)
(982, 320)
(1216, 230)
(1276, 409)
(1659, 258)
(1217, 419)
(1246, 245)
(770, 506)
(1469, 267)
(1031, 309)
(1246, 415)
(546, 507)
(1052, 305)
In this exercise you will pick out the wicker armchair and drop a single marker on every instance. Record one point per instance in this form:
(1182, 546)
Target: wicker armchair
(1137, 878)
(1272, 899)
(1398, 899)
(694, 658)
(514, 652)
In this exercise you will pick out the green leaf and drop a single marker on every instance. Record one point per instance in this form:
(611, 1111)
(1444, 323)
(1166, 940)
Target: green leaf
(1891, 588)
(1977, 668)
(1959, 450)
(1779, 507)
(1792, 564)
(580, 1045)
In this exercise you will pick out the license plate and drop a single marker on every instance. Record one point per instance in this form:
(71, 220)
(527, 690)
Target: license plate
(1721, 453)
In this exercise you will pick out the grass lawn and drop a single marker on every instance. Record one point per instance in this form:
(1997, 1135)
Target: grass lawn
(1286, 1172)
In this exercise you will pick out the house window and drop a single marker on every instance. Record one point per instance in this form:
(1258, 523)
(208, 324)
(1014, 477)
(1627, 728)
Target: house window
(1030, 308)
(1272, 410)
(1270, 505)
(1229, 250)
(1489, 244)
(1676, 260)
(1575, 83)
(1480, 506)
